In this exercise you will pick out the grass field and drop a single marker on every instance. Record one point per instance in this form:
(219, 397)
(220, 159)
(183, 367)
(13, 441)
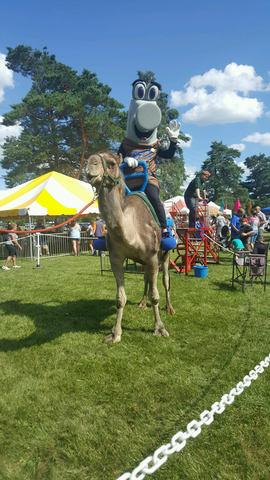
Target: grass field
(73, 408)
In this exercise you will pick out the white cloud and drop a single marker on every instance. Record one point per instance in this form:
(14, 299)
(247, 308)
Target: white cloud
(256, 137)
(6, 76)
(221, 96)
(190, 173)
(237, 78)
(244, 167)
(238, 146)
(12, 131)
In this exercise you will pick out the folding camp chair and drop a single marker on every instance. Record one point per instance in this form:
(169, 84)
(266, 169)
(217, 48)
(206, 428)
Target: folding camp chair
(240, 268)
(258, 268)
(250, 267)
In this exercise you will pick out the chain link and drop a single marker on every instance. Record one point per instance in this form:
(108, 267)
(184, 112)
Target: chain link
(178, 442)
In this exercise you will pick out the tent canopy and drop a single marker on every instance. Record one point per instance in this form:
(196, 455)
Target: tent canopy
(174, 204)
(50, 194)
(213, 208)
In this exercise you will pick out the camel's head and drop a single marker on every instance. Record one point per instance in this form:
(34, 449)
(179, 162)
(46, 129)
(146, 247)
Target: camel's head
(103, 167)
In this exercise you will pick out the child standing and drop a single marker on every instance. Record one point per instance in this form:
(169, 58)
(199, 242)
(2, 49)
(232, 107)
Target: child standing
(11, 244)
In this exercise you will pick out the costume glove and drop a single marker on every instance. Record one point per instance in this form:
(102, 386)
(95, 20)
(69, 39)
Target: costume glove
(131, 162)
(173, 131)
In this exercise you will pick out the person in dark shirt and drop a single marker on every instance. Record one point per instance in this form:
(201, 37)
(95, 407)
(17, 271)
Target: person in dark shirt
(245, 232)
(195, 193)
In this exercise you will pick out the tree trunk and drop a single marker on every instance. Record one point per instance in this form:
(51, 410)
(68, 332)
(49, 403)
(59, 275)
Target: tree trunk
(84, 147)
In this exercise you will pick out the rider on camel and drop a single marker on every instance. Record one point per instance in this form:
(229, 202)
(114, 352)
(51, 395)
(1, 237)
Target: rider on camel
(141, 142)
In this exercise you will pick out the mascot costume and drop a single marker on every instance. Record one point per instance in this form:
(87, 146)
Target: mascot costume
(141, 142)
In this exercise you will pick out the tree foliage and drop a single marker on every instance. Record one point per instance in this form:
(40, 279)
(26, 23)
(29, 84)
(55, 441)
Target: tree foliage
(171, 172)
(225, 181)
(64, 117)
(258, 180)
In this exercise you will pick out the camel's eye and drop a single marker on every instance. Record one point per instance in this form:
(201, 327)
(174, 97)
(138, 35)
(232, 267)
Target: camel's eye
(139, 91)
(110, 165)
(153, 93)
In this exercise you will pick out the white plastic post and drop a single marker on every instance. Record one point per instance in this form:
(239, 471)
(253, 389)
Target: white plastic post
(38, 249)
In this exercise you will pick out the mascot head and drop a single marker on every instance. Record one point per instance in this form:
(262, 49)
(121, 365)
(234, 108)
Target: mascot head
(144, 115)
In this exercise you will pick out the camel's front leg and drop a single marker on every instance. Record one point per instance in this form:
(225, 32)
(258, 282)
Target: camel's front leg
(118, 271)
(166, 282)
(160, 329)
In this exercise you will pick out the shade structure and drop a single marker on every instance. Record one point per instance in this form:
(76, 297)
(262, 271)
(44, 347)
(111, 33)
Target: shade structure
(174, 204)
(213, 208)
(266, 210)
(50, 194)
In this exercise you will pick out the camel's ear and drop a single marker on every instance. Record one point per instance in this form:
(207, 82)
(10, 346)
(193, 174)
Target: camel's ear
(120, 156)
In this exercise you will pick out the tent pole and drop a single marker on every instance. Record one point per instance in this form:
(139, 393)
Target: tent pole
(31, 237)
(38, 249)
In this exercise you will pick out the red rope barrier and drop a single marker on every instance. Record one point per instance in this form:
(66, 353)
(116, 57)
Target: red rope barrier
(53, 227)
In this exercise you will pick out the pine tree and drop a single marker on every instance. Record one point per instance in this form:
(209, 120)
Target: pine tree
(225, 181)
(258, 181)
(65, 117)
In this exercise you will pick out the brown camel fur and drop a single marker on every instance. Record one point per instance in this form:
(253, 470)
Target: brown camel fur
(133, 234)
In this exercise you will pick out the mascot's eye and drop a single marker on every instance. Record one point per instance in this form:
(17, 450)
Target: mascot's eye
(139, 91)
(153, 93)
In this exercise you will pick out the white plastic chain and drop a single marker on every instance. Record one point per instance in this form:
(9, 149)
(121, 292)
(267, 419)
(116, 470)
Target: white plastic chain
(219, 244)
(152, 463)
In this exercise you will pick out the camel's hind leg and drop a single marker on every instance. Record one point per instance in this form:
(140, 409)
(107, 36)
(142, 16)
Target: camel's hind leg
(165, 261)
(121, 299)
(143, 302)
(152, 273)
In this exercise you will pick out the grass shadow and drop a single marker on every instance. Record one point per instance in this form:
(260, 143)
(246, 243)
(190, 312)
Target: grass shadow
(225, 285)
(52, 321)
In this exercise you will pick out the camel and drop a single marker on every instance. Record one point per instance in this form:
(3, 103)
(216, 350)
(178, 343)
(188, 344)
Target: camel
(132, 233)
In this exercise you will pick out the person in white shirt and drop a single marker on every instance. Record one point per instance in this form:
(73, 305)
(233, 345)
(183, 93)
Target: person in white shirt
(262, 219)
(75, 236)
(220, 222)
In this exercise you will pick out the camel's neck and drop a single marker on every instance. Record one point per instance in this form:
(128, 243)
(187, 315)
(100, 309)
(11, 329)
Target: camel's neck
(111, 201)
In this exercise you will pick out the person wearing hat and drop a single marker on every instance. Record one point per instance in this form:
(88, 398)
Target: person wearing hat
(195, 193)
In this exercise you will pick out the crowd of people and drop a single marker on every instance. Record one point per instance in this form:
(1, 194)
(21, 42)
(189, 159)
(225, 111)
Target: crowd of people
(11, 239)
(243, 231)
(95, 229)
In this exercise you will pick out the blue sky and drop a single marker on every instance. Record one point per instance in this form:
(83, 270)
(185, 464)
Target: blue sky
(211, 57)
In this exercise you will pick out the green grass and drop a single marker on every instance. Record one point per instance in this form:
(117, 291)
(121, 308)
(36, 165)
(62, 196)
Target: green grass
(73, 408)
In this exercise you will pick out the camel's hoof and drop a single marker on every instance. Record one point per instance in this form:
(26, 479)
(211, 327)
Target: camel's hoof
(142, 305)
(112, 339)
(161, 332)
(170, 310)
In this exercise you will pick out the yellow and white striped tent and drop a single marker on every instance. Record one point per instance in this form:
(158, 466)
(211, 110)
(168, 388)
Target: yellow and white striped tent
(50, 194)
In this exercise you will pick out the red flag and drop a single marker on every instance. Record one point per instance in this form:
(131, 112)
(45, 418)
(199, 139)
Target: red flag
(237, 205)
